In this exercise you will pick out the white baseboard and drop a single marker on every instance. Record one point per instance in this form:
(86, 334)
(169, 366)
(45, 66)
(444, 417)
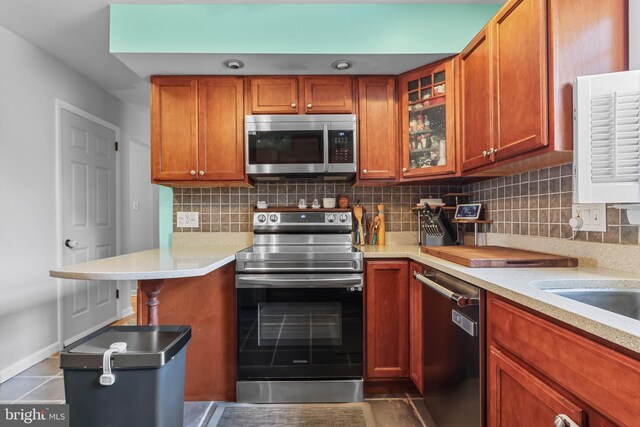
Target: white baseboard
(126, 312)
(29, 361)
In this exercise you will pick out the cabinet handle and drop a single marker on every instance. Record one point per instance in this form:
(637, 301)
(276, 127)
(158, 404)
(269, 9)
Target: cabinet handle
(484, 153)
(193, 173)
(201, 173)
(364, 171)
(309, 105)
(404, 170)
(561, 420)
(293, 105)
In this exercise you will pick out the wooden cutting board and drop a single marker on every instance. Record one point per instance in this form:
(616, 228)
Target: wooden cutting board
(498, 257)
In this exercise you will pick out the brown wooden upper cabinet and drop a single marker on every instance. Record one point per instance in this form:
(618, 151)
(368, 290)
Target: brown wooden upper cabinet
(427, 121)
(520, 78)
(197, 129)
(475, 109)
(274, 95)
(378, 138)
(516, 77)
(316, 94)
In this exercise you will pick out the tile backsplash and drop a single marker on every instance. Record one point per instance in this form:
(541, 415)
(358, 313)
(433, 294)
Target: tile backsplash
(538, 203)
(231, 209)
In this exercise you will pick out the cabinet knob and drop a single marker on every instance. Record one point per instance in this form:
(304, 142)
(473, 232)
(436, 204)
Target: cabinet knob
(484, 153)
(364, 171)
(309, 105)
(193, 173)
(201, 173)
(492, 151)
(404, 170)
(293, 105)
(561, 420)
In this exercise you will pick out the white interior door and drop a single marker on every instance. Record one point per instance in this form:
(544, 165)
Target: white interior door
(88, 221)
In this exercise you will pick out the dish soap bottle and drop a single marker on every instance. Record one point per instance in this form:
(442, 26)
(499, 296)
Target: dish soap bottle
(381, 225)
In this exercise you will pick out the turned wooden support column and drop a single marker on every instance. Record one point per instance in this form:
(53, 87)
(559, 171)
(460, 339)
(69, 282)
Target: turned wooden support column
(152, 289)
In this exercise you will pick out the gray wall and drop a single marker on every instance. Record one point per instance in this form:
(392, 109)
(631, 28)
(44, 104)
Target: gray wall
(30, 81)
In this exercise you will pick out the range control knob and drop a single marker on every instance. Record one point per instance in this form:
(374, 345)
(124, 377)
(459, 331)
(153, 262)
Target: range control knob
(262, 218)
(331, 218)
(343, 218)
(273, 218)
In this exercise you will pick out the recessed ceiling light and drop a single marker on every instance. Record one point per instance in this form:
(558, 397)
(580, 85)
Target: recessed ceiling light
(234, 64)
(342, 65)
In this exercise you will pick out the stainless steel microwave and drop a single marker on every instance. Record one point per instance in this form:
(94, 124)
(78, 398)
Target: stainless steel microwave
(301, 145)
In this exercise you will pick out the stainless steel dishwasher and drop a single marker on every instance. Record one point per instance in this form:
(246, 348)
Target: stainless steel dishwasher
(453, 342)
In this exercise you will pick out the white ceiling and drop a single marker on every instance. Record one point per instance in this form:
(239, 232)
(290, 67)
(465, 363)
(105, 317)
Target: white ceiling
(76, 32)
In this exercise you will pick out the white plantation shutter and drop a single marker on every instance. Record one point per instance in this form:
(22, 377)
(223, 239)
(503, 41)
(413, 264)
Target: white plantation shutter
(607, 138)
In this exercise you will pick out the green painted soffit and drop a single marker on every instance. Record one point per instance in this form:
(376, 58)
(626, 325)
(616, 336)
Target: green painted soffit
(296, 28)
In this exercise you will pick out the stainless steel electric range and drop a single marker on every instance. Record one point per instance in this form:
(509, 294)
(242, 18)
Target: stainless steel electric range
(299, 309)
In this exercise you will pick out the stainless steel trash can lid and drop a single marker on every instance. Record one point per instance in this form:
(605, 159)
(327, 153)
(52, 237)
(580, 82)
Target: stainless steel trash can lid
(147, 347)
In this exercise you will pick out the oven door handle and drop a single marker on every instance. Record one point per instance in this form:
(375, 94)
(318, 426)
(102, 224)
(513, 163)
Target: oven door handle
(299, 281)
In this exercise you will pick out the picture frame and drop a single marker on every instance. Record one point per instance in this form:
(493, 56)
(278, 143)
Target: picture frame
(468, 211)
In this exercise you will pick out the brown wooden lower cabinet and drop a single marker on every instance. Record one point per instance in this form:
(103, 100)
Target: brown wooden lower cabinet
(208, 304)
(387, 319)
(416, 348)
(519, 398)
(537, 369)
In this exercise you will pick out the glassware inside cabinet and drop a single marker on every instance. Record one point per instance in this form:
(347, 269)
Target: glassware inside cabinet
(427, 121)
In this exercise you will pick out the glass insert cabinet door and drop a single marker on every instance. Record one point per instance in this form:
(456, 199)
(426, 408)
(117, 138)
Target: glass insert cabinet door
(427, 111)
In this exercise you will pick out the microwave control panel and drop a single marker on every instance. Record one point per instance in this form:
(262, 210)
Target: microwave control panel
(341, 146)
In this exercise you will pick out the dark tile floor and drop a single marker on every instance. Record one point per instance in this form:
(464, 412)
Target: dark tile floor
(43, 383)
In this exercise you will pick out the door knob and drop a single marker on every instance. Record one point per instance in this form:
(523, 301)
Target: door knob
(71, 244)
(404, 170)
(309, 105)
(293, 105)
(492, 151)
(364, 171)
(193, 173)
(201, 173)
(484, 153)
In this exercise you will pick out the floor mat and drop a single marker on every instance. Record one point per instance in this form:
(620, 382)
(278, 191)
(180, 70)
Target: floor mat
(303, 415)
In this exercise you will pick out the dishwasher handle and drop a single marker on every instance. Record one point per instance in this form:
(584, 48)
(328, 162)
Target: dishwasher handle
(461, 300)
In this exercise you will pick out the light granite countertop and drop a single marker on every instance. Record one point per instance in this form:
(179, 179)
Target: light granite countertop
(197, 256)
(525, 286)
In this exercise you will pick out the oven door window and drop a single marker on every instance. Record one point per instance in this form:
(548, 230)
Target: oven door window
(298, 323)
(299, 333)
(285, 147)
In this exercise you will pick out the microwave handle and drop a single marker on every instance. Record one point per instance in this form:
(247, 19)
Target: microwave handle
(325, 137)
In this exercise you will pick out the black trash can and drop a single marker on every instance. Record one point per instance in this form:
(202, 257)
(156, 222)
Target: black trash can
(146, 385)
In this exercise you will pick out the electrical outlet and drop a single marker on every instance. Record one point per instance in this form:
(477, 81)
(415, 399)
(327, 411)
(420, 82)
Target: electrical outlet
(187, 219)
(593, 215)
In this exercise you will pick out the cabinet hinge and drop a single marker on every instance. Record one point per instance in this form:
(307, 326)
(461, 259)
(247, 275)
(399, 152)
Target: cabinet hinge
(117, 293)
(116, 145)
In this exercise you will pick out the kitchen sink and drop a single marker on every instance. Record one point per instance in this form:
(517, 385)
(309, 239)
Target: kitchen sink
(623, 301)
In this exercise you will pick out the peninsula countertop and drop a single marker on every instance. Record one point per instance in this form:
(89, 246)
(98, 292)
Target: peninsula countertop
(163, 263)
(522, 285)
